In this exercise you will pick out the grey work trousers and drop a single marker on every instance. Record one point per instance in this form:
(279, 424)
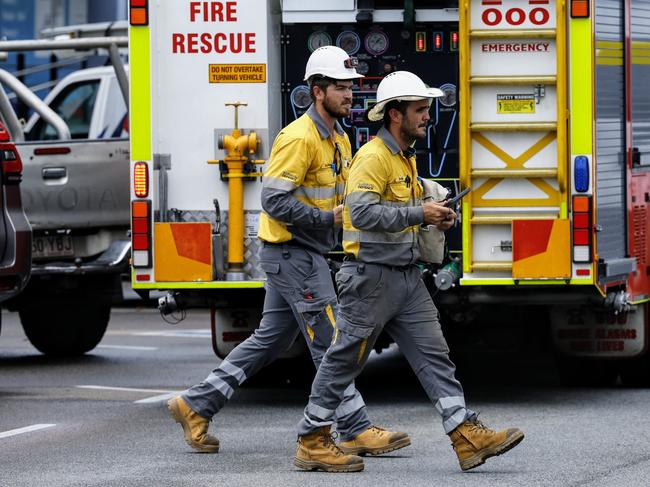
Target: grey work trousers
(373, 297)
(300, 296)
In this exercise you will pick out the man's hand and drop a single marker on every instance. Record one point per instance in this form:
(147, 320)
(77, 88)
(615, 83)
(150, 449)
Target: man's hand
(437, 214)
(338, 216)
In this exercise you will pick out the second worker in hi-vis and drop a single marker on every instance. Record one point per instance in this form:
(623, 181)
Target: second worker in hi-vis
(380, 287)
(301, 196)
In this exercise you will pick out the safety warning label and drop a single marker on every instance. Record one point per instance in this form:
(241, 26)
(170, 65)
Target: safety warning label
(521, 103)
(237, 73)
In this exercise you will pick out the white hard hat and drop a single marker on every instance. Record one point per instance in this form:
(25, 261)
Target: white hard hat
(332, 62)
(401, 86)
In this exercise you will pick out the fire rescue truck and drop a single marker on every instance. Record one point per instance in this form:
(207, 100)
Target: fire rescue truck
(544, 116)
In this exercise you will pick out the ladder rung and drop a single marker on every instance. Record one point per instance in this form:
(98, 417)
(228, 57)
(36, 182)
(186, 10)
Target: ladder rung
(515, 173)
(512, 34)
(513, 80)
(491, 266)
(507, 218)
(514, 127)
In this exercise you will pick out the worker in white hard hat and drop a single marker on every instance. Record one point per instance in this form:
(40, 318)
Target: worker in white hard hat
(301, 197)
(380, 287)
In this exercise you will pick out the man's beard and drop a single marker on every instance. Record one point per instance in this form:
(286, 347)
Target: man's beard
(411, 134)
(333, 111)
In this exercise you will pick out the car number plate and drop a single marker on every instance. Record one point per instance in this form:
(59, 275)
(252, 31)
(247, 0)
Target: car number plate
(52, 246)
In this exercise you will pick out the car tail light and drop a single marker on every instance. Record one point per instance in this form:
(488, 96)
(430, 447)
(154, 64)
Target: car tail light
(141, 179)
(141, 233)
(12, 166)
(582, 229)
(581, 174)
(139, 12)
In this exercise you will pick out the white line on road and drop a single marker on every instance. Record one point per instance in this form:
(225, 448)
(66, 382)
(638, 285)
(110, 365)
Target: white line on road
(127, 389)
(127, 347)
(191, 333)
(26, 429)
(159, 398)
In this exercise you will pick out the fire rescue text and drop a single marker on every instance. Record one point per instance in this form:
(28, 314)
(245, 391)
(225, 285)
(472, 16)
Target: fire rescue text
(213, 42)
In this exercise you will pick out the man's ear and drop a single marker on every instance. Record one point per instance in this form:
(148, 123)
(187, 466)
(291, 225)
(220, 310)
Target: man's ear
(319, 93)
(395, 115)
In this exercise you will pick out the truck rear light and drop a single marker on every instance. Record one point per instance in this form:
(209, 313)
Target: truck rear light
(579, 9)
(138, 12)
(141, 179)
(582, 229)
(581, 237)
(581, 220)
(581, 174)
(141, 233)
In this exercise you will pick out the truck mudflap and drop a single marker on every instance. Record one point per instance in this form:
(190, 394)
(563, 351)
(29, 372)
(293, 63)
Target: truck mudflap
(114, 260)
(591, 332)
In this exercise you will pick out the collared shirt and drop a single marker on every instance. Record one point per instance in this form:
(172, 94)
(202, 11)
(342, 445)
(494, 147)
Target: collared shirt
(383, 209)
(303, 181)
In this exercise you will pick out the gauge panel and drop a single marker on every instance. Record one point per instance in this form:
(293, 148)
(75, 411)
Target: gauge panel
(381, 50)
(376, 42)
(318, 39)
(349, 41)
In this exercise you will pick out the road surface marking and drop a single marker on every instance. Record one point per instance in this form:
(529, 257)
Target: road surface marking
(26, 429)
(159, 398)
(192, 333)
(127, 389)
(127, 347)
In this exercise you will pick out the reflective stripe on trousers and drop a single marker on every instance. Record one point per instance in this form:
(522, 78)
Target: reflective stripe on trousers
(411, 319)
(299, 296)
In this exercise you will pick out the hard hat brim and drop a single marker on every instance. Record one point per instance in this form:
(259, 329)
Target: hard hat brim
(376, 112)
(337, 77)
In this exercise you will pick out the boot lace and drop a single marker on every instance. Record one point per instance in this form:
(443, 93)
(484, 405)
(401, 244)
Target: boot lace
(479, 426)
(328, 441)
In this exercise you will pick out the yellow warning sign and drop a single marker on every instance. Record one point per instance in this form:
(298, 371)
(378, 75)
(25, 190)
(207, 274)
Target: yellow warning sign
(521, 103)
(237, 73)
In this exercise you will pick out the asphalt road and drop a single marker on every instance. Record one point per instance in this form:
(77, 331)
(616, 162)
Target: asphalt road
(100, 420)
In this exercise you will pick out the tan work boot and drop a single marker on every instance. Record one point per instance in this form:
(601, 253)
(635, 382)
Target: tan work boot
(195, 427)
(317, 451)
(474, 442)
(375, 441)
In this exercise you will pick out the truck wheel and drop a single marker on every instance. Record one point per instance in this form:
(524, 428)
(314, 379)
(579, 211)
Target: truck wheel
(67, 330)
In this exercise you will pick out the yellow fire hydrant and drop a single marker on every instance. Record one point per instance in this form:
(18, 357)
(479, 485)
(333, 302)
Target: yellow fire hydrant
(236, 167)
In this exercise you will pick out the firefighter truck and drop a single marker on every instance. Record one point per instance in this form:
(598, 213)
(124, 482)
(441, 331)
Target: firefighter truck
(544, 116)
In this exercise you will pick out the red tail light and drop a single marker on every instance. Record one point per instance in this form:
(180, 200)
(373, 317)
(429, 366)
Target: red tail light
(582, 231)
(12, 165)
(139, 12)
(579, 9)
(141, 233)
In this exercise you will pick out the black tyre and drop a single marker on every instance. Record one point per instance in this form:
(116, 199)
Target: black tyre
(66, 330)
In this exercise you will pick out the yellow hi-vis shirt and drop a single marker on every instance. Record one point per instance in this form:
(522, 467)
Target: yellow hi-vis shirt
(383, 200)
(303, 181)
